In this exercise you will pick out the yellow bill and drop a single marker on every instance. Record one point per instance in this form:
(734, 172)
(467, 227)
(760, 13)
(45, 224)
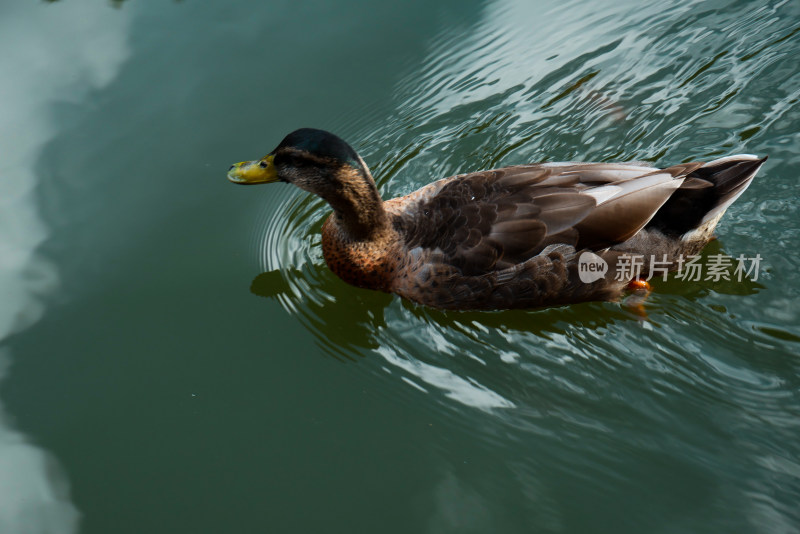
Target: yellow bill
(261, 171)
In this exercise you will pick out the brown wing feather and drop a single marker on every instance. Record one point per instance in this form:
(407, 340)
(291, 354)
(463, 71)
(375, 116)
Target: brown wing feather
(492, 220)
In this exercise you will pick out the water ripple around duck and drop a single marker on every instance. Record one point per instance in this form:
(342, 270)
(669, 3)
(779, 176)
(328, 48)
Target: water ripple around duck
(600, 88)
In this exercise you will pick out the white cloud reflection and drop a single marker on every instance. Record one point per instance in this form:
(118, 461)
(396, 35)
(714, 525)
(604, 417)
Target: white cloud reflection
(51, 53)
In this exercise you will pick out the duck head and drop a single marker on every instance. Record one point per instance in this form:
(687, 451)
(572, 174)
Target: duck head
(321, 163)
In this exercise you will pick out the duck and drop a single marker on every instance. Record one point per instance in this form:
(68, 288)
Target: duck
(525, 236)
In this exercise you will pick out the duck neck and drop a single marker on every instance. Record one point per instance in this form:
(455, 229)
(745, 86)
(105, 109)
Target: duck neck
(358, 205)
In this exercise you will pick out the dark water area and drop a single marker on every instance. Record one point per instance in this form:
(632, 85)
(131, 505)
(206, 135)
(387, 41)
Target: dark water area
(176, 357)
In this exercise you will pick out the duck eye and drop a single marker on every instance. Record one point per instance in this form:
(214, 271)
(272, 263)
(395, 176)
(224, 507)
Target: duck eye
(262, 164)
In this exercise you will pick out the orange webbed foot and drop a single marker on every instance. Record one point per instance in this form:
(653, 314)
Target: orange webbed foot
(640, 289)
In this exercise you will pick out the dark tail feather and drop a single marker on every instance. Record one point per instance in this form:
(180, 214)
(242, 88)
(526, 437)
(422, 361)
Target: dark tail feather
(706, 193)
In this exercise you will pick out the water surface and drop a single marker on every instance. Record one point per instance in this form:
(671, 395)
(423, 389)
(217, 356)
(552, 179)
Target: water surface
(176, 357)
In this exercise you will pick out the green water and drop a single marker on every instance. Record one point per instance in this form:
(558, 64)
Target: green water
(176, 358)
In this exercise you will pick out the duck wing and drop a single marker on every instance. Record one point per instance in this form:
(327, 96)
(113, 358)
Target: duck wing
(492, 220)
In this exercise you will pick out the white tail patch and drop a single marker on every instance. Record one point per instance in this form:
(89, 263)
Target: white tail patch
(705, 230)
(737, 157)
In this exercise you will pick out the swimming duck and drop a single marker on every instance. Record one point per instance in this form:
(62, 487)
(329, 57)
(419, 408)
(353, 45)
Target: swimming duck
(525, 236)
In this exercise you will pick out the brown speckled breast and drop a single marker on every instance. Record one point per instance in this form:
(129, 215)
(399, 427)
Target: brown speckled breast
(369, 264)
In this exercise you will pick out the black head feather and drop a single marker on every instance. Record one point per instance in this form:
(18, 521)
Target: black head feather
(321, 144)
